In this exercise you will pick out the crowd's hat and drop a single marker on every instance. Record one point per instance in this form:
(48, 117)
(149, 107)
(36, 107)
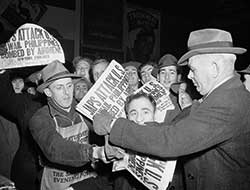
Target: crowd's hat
(167, 60)
(136, 64)
(53, 71)
(209, 41)
(245, 71)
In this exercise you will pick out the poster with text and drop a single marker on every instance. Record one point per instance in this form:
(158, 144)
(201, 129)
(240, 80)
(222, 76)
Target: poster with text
(31, 45)
(142, 34)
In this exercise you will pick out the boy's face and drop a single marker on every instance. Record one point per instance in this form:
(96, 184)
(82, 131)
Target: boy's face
(98, 70)
(132, 74)
(141, 110)
(146, 73)
(82, 69)
(168, 76)
(81, 88)
(18, 85)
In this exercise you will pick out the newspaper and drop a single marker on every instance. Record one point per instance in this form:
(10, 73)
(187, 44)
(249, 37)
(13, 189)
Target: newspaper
(109, 93)
(31, 45)
(161, 97)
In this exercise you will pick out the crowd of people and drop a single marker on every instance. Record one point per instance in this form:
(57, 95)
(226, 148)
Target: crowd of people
(50, 145)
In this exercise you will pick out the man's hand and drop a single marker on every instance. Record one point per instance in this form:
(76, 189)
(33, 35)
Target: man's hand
(184, 100)
(112, 152)
(102, 123)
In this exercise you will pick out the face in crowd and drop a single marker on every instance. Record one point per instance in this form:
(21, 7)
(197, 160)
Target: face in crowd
(146, 73)
(131, 72)
(168, 75)
(80, 90)
(18, 85)
(61, 92)
(141, 110)
(82, 68)
(99, 68)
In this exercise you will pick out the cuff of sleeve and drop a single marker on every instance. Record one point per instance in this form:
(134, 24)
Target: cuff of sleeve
(117, 131)
(90, 153)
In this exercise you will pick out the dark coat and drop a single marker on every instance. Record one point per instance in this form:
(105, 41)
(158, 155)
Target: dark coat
(215, 138)
(20, 108)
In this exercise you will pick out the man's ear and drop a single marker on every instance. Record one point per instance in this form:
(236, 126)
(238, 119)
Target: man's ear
(215, 69)
(47, 91)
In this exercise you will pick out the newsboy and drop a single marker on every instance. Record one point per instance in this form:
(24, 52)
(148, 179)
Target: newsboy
(215, 136)
(62, 133)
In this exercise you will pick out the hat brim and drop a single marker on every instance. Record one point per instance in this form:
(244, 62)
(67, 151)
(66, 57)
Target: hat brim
(232, 50)
(44, 85)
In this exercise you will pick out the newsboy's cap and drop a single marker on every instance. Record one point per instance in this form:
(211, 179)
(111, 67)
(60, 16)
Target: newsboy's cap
(209, 41)
(53, 71)
(167, 60)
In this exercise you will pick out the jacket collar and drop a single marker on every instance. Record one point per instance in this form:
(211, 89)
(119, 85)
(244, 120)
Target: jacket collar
(56, 110)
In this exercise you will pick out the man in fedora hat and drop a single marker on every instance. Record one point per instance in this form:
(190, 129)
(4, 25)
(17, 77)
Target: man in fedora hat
(214, 137)
(62, 133)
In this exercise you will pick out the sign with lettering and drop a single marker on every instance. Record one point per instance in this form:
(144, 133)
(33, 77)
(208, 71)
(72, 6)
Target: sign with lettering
(31, 45)
(109, 93)
(154, 174)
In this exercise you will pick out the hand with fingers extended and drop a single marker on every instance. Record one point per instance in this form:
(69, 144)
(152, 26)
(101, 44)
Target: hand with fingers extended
(102, 122)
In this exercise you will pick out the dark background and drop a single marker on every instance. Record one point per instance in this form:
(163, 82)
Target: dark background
(179, 18)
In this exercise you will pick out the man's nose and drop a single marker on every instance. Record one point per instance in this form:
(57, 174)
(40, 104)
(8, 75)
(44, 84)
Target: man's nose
(190, 75)
(139, 119)
(166, 76)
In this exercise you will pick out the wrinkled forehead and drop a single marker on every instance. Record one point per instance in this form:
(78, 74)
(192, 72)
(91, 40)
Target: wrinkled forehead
(130, 68)
(198, 60)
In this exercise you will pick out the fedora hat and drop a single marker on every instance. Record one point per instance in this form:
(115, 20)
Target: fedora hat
(167, 60)
(53, 71)
(209, 41)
